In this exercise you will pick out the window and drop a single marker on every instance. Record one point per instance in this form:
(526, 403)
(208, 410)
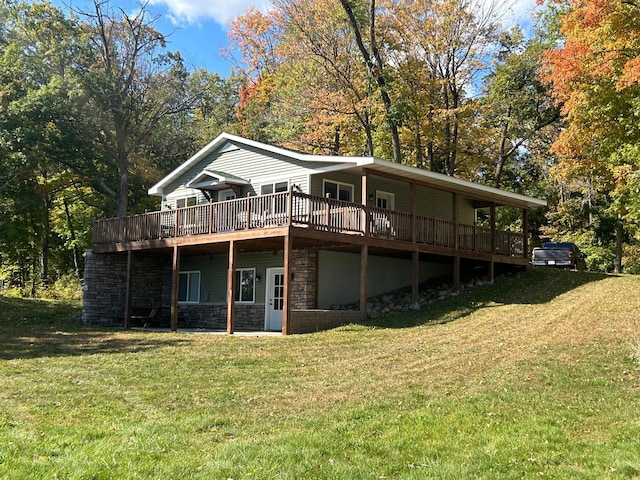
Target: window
(245, 285)
(385, 200)
(227, 194)
(189, 201)
(274, 188)
(189, 287)
(341, 191)
(279, 204)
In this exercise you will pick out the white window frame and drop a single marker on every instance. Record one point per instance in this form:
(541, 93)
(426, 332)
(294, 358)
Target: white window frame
(391, 197)
(238, 291)
(226, 191)
(186, 200)
(273, 187)
(338, 184)
(188, 273)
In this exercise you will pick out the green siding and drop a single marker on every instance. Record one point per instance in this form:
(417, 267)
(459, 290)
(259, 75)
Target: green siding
(255, 166)
(213, 276)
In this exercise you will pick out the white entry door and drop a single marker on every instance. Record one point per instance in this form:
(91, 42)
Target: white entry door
(275, 299)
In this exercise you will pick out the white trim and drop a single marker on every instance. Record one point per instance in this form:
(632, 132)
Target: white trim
(239, 290)
(267, 292)
(353, 188)
(273, 184)
(221, 193)
(392, 198)
(410, 173)
(188, 274)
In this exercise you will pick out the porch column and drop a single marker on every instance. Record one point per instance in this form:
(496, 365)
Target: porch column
(231, 287)
(493, 228)
(175, 283)
(525, 232)
(286, 305)
(364, 263)
(414, 209)
(415, 276)
(456, 219)
(493, 242)
(127, 297)
(456, 272)
(364, 197)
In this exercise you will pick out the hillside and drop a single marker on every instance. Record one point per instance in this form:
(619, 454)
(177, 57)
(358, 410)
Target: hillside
(534, 376)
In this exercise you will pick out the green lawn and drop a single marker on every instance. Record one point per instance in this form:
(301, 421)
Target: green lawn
(533, 377)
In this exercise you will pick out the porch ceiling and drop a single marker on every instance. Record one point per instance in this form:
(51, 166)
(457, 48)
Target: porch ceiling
(483, 194)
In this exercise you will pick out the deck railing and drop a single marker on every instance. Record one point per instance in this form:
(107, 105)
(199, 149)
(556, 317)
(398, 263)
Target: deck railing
(302, 210)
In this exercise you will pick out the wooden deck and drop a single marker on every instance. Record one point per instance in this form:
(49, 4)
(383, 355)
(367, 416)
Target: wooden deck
(259, 214)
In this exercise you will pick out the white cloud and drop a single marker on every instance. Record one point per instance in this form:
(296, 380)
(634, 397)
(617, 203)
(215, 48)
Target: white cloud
(221, 11)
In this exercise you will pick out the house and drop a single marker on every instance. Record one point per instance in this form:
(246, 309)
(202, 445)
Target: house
(255, 237)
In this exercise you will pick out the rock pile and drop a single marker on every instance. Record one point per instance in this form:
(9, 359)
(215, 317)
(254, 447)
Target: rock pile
(400, 300)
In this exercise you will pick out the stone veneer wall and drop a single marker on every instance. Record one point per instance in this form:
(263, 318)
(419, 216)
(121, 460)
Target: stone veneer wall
(104, 290)
(309, 321)
(304, 285)
(214, 316)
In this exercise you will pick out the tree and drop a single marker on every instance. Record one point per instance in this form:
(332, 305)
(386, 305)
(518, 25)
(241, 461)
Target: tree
(132, 84)
(38, 108)
(517, 103)
(595, 77)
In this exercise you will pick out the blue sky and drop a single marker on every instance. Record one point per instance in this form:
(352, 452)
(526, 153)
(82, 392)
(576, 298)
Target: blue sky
(197, 28)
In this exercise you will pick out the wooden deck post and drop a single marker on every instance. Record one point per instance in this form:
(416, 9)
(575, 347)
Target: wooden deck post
(286, 305)
(414, 209)
(493, 228)
(525, 232)
(175, 284)
(127, 298)
(231, 287)
(248, 211)
(456, 224)
(364, 266)
(415, 276)
(456, 273)
(364, 197)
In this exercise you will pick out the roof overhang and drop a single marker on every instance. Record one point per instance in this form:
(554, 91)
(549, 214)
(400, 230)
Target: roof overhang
(213, 180)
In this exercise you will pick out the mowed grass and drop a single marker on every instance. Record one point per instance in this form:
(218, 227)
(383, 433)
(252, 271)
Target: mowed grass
(536, 376)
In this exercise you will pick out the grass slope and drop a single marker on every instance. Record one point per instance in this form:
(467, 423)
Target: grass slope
(534, 376)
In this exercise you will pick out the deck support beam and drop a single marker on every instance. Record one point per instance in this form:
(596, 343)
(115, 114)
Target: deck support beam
(415, 276)
(456, 273)
(127, 299)
(231, 287)
(175, 283)
(525, 232)
(364, 198)
(288, 277)
(364, 266)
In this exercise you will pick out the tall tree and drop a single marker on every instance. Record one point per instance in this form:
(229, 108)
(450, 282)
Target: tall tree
(133, 83)
(367, 39)
(595, 76)
(517, 104)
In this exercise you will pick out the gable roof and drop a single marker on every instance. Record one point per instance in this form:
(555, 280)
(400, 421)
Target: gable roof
(213, 180)
(434, 179)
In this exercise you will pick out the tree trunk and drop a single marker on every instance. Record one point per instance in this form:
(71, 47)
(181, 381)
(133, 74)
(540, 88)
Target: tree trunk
(72, 233)
(45, 243)
(617, 268)
(374, 64)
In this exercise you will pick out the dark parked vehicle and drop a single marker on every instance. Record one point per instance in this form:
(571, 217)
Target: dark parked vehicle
(558, 254)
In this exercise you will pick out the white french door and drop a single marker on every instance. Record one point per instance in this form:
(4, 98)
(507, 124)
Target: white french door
(274, 299)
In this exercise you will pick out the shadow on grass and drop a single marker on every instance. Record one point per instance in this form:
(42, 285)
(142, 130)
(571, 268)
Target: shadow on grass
(40, 328)
(537, 286)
